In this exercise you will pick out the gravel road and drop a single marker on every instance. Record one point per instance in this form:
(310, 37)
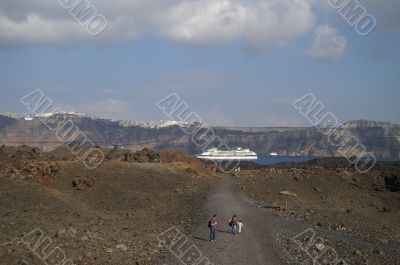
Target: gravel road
(267, 238)
(255, 245)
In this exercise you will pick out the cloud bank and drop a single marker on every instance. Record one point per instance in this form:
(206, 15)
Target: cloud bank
(258, 23)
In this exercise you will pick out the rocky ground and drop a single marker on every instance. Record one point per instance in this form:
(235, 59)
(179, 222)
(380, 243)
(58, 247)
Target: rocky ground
(52, 207)
(318, 212)
(355, 214)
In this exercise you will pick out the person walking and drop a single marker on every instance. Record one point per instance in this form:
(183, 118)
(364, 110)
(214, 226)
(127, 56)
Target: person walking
(212, 224)
(233, 224)
(240, 226)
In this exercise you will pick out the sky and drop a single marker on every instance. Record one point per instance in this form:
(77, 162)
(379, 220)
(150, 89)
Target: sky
(234, 62)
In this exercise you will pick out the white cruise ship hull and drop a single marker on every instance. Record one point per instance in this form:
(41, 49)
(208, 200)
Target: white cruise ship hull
(239, 154)
(227, 158)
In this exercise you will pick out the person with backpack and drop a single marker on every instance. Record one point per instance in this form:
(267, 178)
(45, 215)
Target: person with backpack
(233, 224)
(212, 225)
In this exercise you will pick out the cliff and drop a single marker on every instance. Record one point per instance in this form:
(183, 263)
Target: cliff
(382, 139)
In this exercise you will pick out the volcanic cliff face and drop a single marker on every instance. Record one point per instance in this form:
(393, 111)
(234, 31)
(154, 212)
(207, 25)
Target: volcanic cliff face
(382, 139)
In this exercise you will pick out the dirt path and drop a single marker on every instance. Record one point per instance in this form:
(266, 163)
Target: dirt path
(255, 245)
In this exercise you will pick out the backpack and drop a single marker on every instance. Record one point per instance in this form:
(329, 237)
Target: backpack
(209, 224)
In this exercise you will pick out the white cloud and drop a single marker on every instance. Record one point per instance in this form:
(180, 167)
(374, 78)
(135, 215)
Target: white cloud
(36, 29)
(27, 31)
(327, 44)
(259, 23)
(205, 22)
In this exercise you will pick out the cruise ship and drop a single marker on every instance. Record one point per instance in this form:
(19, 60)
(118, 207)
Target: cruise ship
(220, 155)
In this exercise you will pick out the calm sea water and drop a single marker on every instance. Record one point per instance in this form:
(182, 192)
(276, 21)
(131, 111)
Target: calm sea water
(272, 160)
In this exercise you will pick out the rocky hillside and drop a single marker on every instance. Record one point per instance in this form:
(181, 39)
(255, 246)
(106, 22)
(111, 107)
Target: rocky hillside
(383, 139)
(355, 214)
(109, 215)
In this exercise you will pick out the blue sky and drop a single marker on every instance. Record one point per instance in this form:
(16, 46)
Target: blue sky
(244, 75)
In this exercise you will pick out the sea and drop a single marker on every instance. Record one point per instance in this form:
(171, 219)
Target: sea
(272, 160)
